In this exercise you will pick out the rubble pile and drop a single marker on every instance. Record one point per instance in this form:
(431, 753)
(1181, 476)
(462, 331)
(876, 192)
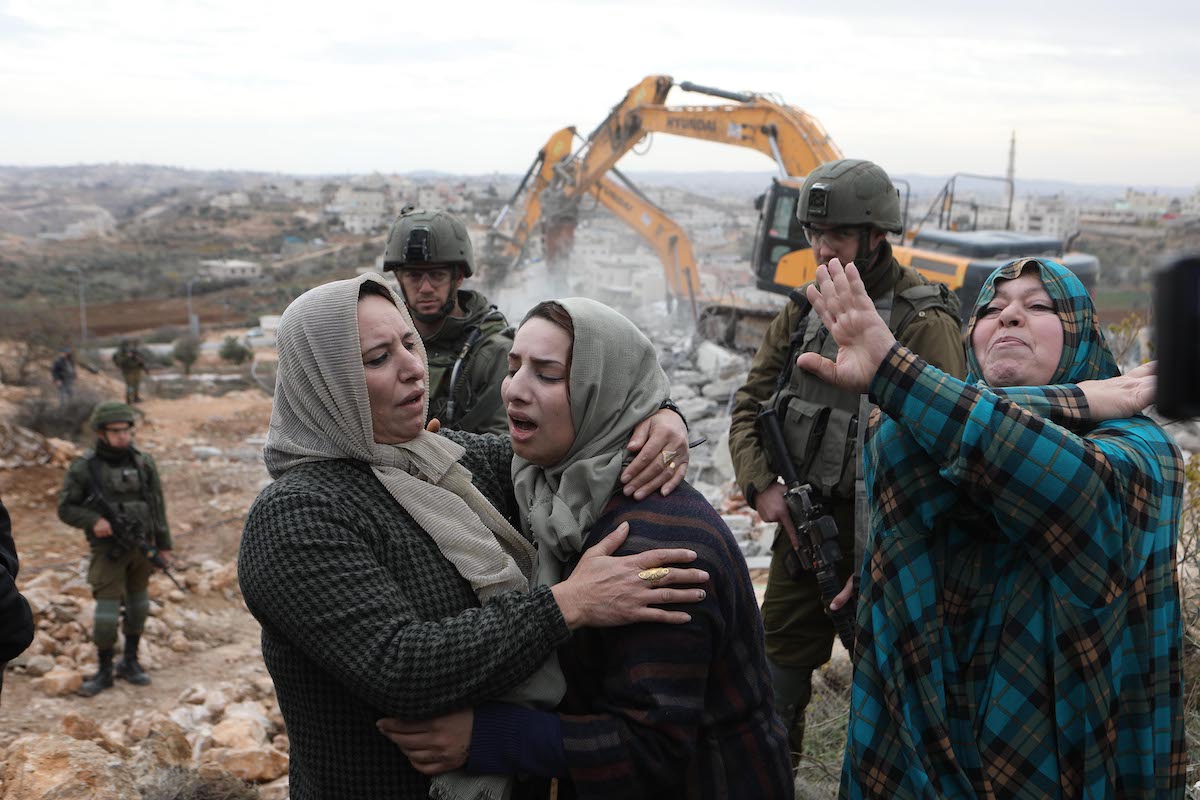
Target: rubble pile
(21, 447)
(233, 729)
(704, 378)
(234, 732)
(63, 606)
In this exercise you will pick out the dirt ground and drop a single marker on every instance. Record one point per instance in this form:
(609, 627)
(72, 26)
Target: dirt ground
(207, 498)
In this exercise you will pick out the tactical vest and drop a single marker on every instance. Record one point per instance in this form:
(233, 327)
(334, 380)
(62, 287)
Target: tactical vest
(127, 487)
(442, 363)
(820, 421)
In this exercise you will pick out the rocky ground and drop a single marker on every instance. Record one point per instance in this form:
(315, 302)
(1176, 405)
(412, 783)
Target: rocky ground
(211, 700)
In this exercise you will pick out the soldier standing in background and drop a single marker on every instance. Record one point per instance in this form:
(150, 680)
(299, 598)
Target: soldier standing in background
(132, 363)
(63, 373)
(466, 337)
(847, 208)
(115, 479)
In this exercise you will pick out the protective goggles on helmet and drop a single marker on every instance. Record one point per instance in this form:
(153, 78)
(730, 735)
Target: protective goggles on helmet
(834, 237)
(437, 277)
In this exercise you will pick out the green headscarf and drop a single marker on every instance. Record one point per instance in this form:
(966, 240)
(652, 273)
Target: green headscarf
(615, 383)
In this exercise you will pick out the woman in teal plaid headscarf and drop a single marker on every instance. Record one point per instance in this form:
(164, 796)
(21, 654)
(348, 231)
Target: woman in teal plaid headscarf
(1020, 631)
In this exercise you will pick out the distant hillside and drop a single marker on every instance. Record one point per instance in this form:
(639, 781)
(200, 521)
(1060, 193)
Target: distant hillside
(751, 184)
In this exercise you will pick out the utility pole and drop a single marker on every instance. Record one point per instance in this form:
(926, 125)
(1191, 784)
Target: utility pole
(193, 323)
(1011, 175)
(82, 305)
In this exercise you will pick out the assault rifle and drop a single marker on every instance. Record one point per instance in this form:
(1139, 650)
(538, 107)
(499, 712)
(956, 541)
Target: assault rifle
(814, 541)
(128, 533)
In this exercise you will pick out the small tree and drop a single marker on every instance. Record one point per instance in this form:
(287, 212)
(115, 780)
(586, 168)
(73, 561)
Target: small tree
(186, 350)
(234, 351)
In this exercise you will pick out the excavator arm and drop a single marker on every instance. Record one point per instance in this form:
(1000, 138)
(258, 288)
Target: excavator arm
(557, 179)
(508, 235)
(662, 233)
(792, 138)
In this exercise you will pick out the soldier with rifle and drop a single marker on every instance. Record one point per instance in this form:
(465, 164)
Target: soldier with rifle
(130, 359)
(846, 208)
(114, 494)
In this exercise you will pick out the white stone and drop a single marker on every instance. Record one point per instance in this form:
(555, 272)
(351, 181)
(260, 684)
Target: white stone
(738, 524)
(718, 362)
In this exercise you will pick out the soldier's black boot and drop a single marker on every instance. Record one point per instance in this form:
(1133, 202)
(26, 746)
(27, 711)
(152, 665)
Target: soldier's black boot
(128, 667)
(103, 679)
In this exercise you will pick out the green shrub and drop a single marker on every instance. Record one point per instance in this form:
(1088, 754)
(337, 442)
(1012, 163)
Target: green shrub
(186, 351)
(235, 351)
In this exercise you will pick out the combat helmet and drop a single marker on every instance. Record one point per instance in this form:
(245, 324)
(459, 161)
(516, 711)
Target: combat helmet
(110, 412)
(850, 191)
(422, 239)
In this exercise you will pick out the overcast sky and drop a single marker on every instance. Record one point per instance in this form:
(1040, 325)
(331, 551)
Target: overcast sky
(1099, 92)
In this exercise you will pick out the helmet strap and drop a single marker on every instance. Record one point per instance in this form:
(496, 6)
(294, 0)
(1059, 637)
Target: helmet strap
(866, 254)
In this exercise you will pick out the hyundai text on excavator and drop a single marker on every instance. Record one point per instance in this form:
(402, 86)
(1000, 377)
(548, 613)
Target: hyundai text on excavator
(560, 177)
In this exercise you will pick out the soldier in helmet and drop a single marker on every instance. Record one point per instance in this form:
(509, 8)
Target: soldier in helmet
(132, 363)
(846, 209)
(466, 337)
(116, 484)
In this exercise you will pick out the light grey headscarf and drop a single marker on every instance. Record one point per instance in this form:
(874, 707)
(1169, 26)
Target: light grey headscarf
(321, 411)
(616, 382)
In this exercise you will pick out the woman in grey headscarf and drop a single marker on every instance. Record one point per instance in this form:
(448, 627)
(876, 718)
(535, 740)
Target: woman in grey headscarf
(651, 710)
(382, 564)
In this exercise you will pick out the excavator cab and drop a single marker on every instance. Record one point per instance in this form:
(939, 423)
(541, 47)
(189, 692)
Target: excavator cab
(782, 257)
(946, 246)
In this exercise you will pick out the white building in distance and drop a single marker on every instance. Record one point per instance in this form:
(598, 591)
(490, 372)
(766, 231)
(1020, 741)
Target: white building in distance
(225, 269)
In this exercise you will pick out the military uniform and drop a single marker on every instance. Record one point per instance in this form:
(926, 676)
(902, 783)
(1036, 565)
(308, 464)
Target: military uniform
(477, 343)
(482, 338)
(132, 364)
(820, 428)
(118, 574)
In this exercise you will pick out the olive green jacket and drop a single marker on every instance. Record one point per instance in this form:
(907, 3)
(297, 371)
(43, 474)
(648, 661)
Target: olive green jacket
(934, 335)
(478, 408)
(131, 484)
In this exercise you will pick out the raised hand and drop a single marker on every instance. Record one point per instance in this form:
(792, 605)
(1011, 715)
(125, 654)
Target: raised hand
(863, 338)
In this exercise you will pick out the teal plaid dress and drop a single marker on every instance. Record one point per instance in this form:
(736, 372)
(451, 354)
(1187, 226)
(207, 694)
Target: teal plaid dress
(1020, 631)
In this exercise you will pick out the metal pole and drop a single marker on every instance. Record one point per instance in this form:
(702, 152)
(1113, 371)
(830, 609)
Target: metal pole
(82, 305)
(82, 309)
(193, 328)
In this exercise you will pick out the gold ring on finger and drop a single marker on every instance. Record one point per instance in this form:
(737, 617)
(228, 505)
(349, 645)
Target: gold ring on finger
(652, 575)
(668, 456)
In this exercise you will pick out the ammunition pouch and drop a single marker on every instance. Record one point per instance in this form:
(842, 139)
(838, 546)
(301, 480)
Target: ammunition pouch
(822, 439)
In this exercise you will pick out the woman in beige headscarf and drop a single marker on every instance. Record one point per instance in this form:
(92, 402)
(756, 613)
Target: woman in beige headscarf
(382, 563)
(651, 710)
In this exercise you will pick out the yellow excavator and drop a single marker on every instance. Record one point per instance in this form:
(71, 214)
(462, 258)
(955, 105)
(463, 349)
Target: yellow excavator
(561, 176)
